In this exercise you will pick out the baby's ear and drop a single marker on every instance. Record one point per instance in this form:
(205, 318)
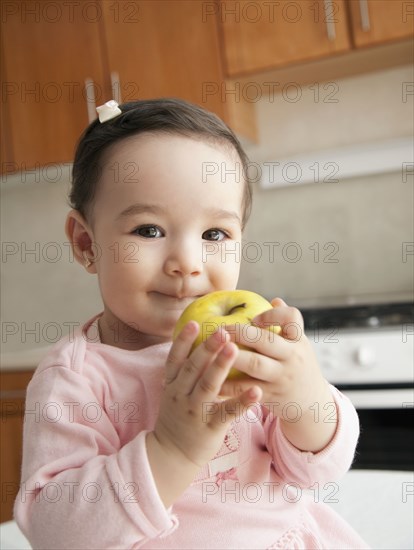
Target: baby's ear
(81, 241)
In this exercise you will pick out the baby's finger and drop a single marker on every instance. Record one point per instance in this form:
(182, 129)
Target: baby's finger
(208, 386)
(234, 388)
(233, 408)
(262, 340)
(287, 317)
(278, 302)
(259, 366)
(199, 359)
(180, 350)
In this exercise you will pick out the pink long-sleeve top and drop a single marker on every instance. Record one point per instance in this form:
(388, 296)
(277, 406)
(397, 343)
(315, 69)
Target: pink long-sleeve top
(87, 483)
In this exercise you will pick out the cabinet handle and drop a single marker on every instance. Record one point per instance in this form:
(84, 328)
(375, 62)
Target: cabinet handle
(330, 21)
(364, 13)
(90, 99)
(116, 87)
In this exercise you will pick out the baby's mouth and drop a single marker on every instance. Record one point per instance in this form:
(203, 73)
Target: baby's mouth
(178, 296)
(174, 299)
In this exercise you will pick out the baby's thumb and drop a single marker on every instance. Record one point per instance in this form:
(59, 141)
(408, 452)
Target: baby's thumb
(234, 408)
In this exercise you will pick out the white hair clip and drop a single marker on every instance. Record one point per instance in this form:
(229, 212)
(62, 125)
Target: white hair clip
(108, 110)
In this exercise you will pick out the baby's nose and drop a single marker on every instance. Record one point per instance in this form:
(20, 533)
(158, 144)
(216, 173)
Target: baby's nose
(184, 260)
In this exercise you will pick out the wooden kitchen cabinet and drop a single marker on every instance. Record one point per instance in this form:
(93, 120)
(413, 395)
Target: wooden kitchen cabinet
(60, 56)
(12, 397)
(48, 55)
(378, 21)
(55, 54)
(5, 141)
(262, 35)
(165, 48)
(170, 48)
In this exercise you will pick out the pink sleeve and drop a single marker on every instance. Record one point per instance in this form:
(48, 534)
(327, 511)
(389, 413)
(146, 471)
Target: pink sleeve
(330, 464)
(79, 485)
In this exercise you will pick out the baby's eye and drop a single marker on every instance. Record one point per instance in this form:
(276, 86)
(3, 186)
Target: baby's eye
(214, 235)
(148, 231)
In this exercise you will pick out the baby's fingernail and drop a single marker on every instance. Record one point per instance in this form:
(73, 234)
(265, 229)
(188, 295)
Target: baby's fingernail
(227, 350)
(190, 327)
(253, 393)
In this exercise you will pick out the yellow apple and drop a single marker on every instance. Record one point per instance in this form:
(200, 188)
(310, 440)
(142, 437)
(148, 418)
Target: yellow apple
(223, 308)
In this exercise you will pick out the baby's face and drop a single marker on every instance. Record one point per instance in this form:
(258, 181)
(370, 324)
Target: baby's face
(167, 224)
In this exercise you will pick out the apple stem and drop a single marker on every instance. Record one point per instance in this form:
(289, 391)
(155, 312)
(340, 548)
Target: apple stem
(236, 307)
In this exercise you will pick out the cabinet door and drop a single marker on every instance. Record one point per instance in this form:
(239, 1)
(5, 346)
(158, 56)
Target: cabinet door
(50, 48)
(164, 48)
(13, 392)
(263, 35)
(6, 154)
(378, 21)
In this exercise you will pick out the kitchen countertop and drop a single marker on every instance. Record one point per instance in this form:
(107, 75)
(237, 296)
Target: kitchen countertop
(379, 505)
(14, 361)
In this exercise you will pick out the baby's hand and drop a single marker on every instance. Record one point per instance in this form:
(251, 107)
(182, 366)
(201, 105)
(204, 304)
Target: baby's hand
(193, 420)
(286, 369)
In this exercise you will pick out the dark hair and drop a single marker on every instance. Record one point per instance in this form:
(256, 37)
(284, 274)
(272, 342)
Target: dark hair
(166, 115)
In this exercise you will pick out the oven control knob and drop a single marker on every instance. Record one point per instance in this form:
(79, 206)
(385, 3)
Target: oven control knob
(365, 357)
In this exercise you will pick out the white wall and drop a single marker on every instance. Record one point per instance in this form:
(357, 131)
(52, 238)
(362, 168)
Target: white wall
(47, 290)
(368, 219)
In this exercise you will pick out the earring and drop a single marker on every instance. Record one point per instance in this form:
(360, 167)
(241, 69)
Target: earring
(87, 262)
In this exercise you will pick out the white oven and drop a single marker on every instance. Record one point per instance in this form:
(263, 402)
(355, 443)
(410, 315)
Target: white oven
(367, 352)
